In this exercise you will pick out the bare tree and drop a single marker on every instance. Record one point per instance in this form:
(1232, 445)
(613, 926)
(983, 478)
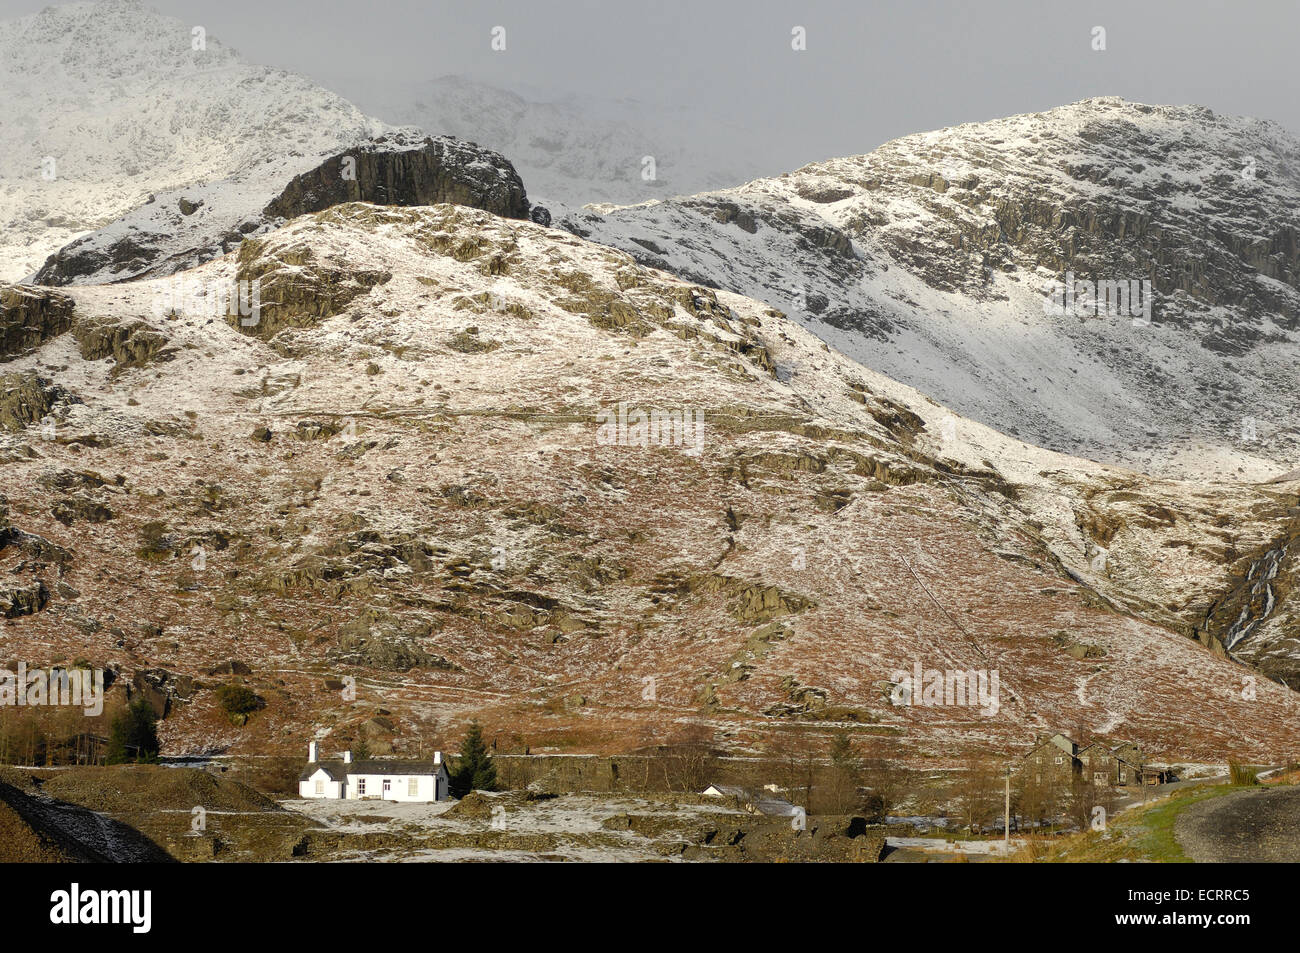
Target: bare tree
(977, 792)
(1084, 797)
(841, 788)
(888, 784)
(792, 760)
(692, 757)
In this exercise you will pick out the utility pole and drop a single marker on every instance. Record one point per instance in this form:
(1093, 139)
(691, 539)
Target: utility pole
(1006, 817)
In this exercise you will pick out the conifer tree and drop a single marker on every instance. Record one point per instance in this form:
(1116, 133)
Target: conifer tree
(474, 768)
(133, 735)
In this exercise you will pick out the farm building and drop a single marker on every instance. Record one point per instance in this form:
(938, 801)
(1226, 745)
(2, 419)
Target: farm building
(386, 780)
(1054, 762)
(1058, 760)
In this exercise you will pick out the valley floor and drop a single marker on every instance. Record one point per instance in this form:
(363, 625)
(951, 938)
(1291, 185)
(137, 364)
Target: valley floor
(1191, 822)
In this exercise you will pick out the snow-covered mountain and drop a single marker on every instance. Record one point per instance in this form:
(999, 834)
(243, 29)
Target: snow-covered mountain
(106, 104)
(929, 259)
(494, 470)
(577, 150)
(490, 470)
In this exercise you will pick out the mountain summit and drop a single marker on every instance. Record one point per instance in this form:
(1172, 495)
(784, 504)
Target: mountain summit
(110, 103)
(933, 259)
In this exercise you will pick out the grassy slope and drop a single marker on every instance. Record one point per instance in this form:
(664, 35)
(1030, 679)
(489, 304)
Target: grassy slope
(1142, 834)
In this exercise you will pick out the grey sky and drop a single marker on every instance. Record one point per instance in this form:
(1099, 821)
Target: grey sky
(871, 71)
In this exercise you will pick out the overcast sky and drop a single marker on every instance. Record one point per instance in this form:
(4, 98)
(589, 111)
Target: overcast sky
(871, 71)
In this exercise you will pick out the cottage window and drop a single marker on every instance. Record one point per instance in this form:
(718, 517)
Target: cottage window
(413, 787)
(320, 786)
(1059, 760)
(361, 786)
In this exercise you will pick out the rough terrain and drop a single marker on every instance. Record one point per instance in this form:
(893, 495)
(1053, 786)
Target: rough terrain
(929, 260)
(402, 497)
(1251, 826)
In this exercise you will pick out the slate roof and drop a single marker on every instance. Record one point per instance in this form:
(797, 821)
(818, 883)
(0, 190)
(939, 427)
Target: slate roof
(776, 807)
(394, 767)
(727, 790)
(339, 771)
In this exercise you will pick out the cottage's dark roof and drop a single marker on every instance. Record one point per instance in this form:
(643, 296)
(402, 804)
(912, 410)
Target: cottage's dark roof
(1099, 746)
(337, 770)
(1051, 740)
(393, 767)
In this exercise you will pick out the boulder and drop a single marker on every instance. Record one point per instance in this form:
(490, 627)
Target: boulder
(22, 600)
(231, 667)
(129, 344)
(391, 172)
(160, 688)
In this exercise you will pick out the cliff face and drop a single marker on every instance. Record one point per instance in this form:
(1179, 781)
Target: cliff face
(440, 169)
(1201, 205)
(30, 316)
(930, 258)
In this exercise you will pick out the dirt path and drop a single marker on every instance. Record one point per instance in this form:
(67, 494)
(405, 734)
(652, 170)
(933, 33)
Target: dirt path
(1256, 826)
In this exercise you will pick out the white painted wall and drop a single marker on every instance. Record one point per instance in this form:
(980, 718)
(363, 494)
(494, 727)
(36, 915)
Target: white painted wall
(329, 788)
(427, 787)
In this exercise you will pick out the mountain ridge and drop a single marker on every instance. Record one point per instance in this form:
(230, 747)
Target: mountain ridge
(929, 258)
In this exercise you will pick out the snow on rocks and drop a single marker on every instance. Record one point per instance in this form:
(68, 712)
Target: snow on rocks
(470, 487)
(930, 260)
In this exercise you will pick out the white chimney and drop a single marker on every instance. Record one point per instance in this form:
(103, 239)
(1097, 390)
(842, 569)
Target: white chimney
(437, 757)
(347, 757)
(313, 753)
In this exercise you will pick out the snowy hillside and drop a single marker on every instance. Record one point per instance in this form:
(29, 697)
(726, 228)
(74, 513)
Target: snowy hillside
(425, 464)
(125, 106)
(491, 469)
(929, 258)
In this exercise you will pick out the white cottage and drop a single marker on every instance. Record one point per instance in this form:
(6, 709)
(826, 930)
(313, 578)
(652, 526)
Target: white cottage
(376, 779)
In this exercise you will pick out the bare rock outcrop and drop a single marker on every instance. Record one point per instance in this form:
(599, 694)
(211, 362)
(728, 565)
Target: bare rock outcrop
(29, 317)
(384, 172)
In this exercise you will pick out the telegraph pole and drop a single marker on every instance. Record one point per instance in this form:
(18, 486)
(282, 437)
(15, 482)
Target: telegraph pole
(1006, 817)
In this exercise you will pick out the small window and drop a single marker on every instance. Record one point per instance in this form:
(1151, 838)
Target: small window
(1059, 760)
(413, 787)
(361, 786)
(320, 786)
